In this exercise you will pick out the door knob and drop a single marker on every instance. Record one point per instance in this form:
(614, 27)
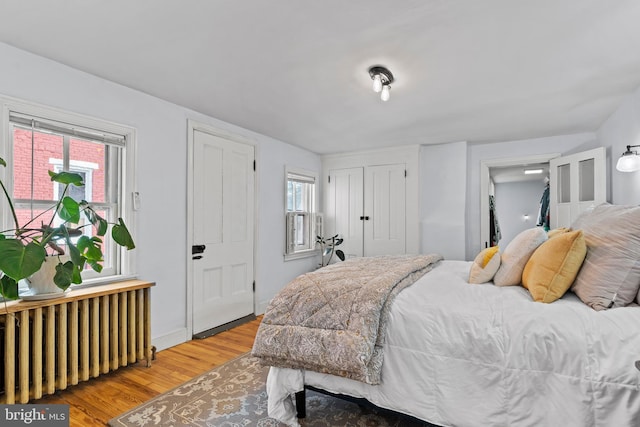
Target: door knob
(197, 249)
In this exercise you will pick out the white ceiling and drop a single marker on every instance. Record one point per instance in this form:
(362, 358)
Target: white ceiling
(296, 70)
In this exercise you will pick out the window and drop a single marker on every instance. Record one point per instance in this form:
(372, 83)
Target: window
(301, 214)
(41, 139)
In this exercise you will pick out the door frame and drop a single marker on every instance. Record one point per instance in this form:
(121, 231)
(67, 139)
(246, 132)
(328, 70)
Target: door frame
(192, 126)
(485, 165)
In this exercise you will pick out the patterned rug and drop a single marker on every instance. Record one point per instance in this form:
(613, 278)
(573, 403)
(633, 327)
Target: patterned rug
(233, 395)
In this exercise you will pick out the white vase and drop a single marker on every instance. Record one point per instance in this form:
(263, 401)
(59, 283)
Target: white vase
(41, 282)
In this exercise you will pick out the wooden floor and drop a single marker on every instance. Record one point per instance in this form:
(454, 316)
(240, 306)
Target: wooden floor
(95, 402)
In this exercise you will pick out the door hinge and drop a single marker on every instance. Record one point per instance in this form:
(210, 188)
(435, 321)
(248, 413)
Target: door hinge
(254, 165)
(405, 173)
(329, 177)
(254, 286)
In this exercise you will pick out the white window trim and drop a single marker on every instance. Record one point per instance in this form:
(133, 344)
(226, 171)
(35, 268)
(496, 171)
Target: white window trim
(127, 179)
(305, 253)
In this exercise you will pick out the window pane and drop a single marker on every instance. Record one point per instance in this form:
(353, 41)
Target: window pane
(564, 183)
(586, 180)
(299, 237)
(76, 193)
(88, 158)
(47, 149)
(290, 196)
(298, 197)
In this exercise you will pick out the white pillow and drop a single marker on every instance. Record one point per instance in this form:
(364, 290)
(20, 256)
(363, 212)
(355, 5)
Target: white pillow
(516, 255)
(485, 265)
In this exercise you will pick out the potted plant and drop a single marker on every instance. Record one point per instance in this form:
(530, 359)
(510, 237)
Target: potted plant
(328, 248)
(24, 249)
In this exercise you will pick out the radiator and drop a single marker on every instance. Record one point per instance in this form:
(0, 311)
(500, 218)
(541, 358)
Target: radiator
(49, 345)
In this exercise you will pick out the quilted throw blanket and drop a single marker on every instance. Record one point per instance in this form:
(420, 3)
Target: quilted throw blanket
(333, 320)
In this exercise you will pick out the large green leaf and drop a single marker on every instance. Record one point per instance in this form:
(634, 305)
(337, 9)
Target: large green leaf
(96, 266)
(64, 275)
(2, 162)
(67, 178)
(121, 235)
(74, 253)
(100, 223)
(19, 261)
(77, 276)
(8, 287)
(91, 248)
(69, 210)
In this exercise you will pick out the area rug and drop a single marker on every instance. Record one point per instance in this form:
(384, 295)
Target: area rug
(233, 395)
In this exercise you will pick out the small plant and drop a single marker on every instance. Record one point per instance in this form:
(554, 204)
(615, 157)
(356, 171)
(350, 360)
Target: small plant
(328, 248)
(23, 249)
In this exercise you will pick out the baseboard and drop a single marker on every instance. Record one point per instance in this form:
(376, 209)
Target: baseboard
(261, 307)
(171, 339)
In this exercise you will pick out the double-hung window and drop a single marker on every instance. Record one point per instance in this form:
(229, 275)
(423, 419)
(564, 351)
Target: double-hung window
(301, 214)
(38, 140)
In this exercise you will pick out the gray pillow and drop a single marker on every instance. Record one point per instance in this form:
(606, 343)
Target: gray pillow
(610, 274)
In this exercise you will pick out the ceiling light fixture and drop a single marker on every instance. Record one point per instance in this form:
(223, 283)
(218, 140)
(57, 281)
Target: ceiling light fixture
(382, 79)
(629, 161)
(532, 171)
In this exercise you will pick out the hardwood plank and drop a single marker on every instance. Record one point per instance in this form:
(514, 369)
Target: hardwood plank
(95, 402)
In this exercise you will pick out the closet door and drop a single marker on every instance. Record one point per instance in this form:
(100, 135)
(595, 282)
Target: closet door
(345, 206)
(384, 210)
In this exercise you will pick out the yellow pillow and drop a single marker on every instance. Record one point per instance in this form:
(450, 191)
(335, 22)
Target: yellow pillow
(557, 231)
(553, 267)
(485, 265)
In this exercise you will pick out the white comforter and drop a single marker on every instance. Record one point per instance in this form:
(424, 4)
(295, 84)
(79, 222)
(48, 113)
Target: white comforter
(480, 355)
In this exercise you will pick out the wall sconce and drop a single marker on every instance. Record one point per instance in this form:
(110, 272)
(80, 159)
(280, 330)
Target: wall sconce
(525, 217)
(382, 79)
(629, 161)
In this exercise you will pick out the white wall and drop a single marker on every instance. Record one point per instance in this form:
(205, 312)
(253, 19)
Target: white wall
(620, 130)
(514, 200)
(161, 174)
(443, 189)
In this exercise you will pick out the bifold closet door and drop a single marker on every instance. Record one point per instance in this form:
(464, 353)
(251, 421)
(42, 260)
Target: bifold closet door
(385, 210)
(366, 206)
(345, 206)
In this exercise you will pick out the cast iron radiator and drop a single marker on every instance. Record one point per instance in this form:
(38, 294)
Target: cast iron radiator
(49, 345)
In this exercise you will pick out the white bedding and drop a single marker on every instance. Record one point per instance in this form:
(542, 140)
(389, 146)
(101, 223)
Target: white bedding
(480, 355)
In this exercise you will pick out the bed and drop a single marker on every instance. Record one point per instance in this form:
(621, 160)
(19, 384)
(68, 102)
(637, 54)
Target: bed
(466, 354)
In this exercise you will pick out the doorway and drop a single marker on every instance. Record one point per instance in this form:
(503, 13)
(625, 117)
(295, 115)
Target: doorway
(510, 167)
(520, 200)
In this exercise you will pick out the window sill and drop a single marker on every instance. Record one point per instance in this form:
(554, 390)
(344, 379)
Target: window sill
(302, 254)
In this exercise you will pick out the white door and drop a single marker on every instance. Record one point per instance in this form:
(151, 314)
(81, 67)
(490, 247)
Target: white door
(223, 230)
(367, 208)
(345, 207)
(384, 210)
(578, 182)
